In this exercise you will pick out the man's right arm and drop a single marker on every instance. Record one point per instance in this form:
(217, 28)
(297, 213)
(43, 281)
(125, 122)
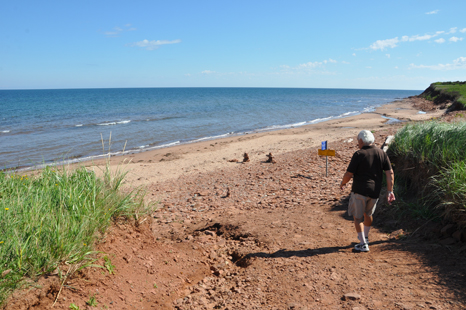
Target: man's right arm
(346, 178)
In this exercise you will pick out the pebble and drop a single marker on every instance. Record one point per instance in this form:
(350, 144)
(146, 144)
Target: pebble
(351, 296)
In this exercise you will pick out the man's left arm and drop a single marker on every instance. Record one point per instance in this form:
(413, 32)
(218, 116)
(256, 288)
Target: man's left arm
(390, 180)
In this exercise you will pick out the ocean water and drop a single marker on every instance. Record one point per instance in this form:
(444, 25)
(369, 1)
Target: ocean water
(49, 126)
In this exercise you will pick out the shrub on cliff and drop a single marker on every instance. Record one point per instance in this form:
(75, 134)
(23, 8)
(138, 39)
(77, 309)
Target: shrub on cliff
(432, 157)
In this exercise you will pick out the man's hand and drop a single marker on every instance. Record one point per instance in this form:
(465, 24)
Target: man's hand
(390, 197)
(346, 178)
(390, 179)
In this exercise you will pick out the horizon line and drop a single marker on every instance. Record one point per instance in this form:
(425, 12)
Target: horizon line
(84, 88)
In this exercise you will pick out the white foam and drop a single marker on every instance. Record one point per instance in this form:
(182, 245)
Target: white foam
(369, 109)
(79, 125)
(5, 131)
(318, 120)
(165, 145)
(212, 137)
(348, 113)
(107, 124)
(114, 123)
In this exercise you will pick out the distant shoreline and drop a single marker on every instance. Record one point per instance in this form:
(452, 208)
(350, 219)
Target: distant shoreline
(77, 160)
(389, 114)
(47, 127)
(180, 87)
(149, 167)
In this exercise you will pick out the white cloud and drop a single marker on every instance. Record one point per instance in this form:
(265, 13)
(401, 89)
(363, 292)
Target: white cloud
(455, 39)
(354, 54)
(154, 44)
(432, 12)
(388, 55)
(114, 33)
(345, 62)
(383, 44)
(311, 67)
(111, 33)
(117, 30)
(315, 64)
(392, 43)
(207, 72)
(420, 38)
(459, 63)
(311, 64)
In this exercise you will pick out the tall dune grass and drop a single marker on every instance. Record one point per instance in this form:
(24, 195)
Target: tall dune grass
(438, 143)
(441, 146)
(55, 218)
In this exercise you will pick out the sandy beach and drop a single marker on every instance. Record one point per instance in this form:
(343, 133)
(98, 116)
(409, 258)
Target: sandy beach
(169, 163)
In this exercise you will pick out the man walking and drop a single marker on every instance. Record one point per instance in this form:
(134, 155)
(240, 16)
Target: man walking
(366, 168)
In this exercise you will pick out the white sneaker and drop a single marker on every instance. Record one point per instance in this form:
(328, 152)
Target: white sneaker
(362, 247)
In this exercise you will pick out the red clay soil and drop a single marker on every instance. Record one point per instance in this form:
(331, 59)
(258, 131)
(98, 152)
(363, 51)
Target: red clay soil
(280, 239)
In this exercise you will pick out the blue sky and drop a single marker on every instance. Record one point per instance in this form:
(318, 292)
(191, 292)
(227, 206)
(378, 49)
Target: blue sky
(316, 44)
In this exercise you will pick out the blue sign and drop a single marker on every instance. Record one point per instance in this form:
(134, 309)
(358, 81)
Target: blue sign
(323, 145)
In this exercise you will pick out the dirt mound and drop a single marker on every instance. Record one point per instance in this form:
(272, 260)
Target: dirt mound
(137, 271)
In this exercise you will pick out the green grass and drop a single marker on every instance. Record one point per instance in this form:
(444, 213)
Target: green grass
(55, 218)
(440, 148)
(108, 265)
(451, 185)
(436, 143)
(455, 89)
(92, 302)
(74, 307)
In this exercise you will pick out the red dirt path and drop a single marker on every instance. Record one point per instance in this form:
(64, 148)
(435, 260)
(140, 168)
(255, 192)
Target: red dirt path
(281, 239)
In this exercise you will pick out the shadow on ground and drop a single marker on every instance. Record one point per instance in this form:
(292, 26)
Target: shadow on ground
(447, 260)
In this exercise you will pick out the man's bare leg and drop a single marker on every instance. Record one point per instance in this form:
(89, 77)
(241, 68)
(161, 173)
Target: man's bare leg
(358, 224)
(367, 224)
(368, 220)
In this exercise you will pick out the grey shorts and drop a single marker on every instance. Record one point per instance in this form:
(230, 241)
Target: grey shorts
(359, 204)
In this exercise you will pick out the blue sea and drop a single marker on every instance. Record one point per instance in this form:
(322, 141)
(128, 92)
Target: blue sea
(49, 126)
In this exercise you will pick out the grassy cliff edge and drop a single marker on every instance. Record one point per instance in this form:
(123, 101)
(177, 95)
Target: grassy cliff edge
(451, 93)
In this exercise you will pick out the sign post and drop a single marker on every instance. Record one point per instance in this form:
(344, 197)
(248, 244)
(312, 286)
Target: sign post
(323, 151)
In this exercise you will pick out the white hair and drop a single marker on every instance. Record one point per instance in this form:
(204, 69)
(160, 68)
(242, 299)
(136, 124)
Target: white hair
(366, 136)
